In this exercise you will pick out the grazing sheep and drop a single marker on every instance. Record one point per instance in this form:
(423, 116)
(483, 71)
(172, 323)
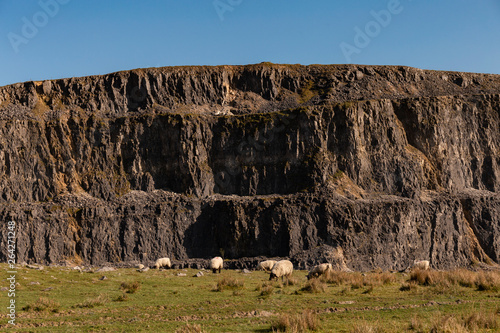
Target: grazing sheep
(422, 264)
(216, 264)
(266, 265)
(282, 268)
(162, 262)
(319, 270)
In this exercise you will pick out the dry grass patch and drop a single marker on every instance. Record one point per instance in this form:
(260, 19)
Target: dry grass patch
(426, 277)
(93, 302)
(238, 292)
(379, 278)
(369, 290)
(337, 278)
(462, 277)
(447, 324)
(43, 304)
(266, 289)
(357, 280)
(409, 286)
(416, 324)
(314, 286)
(307, 321)
(482, 320)
(482, 280)
(345, 291)
(488, 281)
(473, 322)
(189, 329)
(364, 327)
(228, 283)
(122, 298)
(291, 281)
(386, 278)
(130, 288)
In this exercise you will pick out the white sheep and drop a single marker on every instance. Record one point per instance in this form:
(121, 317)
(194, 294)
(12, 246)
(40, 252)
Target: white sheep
(266, 265)
(422, 264)
(163, 262)
(282, 268)
(216, 264)
(319, 270)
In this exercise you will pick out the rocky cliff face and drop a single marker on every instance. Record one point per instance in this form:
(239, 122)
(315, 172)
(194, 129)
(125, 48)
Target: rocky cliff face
(382, 164)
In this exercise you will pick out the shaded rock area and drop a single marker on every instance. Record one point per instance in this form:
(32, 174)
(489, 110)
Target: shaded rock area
(360, 166)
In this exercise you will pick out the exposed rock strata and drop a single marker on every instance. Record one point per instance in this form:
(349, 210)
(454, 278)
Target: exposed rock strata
(387, 164)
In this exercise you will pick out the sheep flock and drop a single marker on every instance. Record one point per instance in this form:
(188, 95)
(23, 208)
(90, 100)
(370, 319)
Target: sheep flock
(276, 269)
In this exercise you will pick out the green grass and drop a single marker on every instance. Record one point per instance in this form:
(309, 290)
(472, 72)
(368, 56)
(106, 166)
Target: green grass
(236, 302)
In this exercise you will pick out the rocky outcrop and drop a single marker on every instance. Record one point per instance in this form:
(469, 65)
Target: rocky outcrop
(382, 164)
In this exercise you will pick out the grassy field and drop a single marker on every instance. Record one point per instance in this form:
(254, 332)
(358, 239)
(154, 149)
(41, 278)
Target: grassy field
(64, 300)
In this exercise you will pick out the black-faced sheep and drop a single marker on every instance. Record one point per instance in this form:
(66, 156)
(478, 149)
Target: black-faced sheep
(162, 262)
(282, 268)
(422, 264)
(216, 264)
(319, 270)
(266, 265)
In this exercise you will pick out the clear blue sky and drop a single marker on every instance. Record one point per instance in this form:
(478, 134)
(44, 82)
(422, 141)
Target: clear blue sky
(86, 37)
